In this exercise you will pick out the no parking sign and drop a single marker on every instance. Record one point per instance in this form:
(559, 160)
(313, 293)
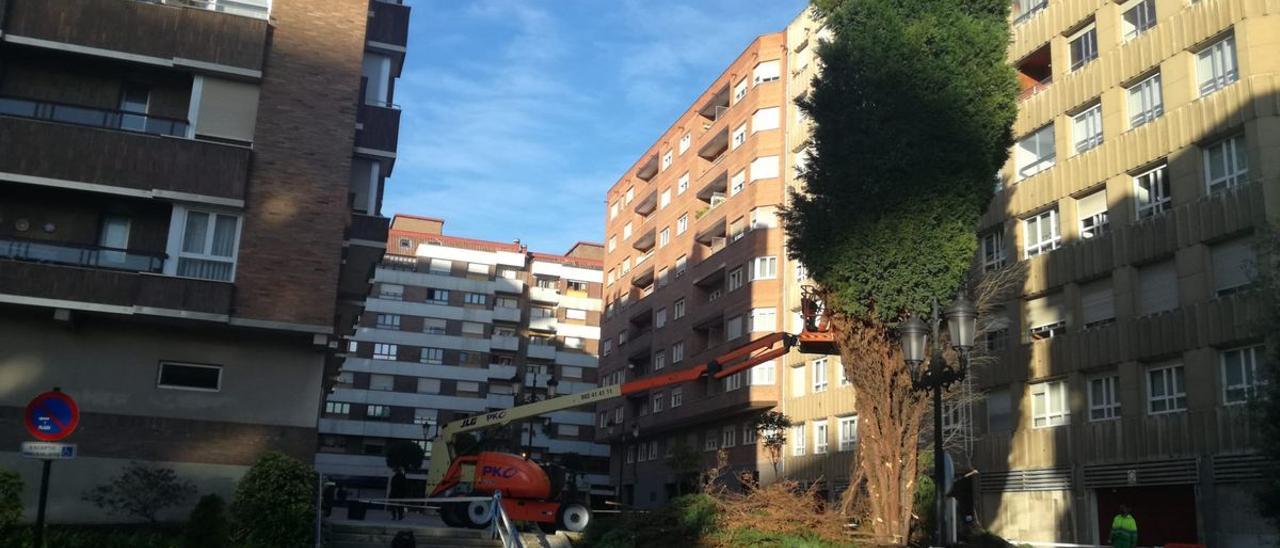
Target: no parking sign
(52, 416)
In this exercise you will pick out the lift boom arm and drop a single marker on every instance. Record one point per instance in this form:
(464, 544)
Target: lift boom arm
(735, 361)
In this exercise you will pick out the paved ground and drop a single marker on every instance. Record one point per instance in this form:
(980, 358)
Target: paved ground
(376, 530)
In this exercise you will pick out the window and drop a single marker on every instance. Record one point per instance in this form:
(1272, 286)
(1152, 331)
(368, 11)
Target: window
(764, 167)
(763, 320)
(618, 414)
(765, 118)
(472, 328)
(682, 224)
(506, 302)
(842, 373)
(575, 314)
(683, 184)
(1241, 380)
(1157, 288)
(797, 380)
(711, 441)
(377, 412)
(1104, 398)
(606, 347)
(630, 195)
(1046, 317)
(475, 298)
(748, 434)
(763, 217)
(819, 375)
(664, 237)
(664, 276)
(383, 351)
(733, 328)
(1086, 127)
(681, 263)
(848, 433)
(737, 183)
(573, 342)
(477, 268)
(1151, 192)
(337, 408)
(1232, 262)
(631, 454)
(437, 296)
(468, 387)
(995, 335)
(208, 246)
(434, 326)
(1035, 152)
(797, 440)
(626, 231)
(134, 99)
(728, 436)
(659, 398)
(993, 256)
(739, 136)
(613, 210)
(542, 312)
(382, 382)
(677, 397)
(1216, 66)
(434, 356)
(677, 352)
(405, 243)
(766, 71)
(685, 141)
(441, 266)
(764, 374)
(764, 268)
(735, 279)
(739, 90)
(603, 420)
(1097, 303)
(1166, 389)
(1092, 210)
(733, 382)
(1139, 15)
(1146, 102)
(1084, 46)
(1049, 406)
(820, 437)
(666, 160)
(660, 318)
(613, 243)
(388, 321)
(1226, 163)
(189, 376)
(508, 273)
(1041, 233)
(622, 338)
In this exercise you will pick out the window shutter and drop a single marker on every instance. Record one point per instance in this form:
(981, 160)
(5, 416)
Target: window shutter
(1157, 288)
(1092, 204)
(1097, 301)
(1045, 311)
(1231, 264)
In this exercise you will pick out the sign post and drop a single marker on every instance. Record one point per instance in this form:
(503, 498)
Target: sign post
(50, 417)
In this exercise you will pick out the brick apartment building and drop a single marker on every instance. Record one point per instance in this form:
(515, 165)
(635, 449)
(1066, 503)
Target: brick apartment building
(189, 219)
(1146, 163)
(455, 327)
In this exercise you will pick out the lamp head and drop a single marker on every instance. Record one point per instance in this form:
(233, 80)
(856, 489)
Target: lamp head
(915, 339)
(962, 323)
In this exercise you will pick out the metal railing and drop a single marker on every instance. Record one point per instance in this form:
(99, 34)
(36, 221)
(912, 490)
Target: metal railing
(258, 9)
(73, 254)
(91, 117)
(501, 527)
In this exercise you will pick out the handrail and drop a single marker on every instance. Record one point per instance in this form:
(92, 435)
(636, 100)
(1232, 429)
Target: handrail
(81, 115)
(500, 525)
(67, 253)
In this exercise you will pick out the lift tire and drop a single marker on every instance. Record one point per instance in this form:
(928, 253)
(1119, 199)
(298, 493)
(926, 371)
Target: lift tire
(573, 517)
(452, 515)
(547, 528)
(477, 514)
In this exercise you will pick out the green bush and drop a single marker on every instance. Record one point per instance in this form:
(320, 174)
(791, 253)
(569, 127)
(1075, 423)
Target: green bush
(208, 526)
(10, 503)
(686, 521)
(141, 491)
(98, 536)
(758, 539)
(274, 504)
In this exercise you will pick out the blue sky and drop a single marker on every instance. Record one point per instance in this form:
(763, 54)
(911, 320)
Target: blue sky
(519, 114)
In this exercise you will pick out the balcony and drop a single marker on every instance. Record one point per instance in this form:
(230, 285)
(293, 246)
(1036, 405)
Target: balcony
(1035, 72)
(644, 241)
(713, 150)
(716, 106)
(127, 159)
(32, 109)
(545, 324)
(1023, 10)
(648, 169)
(380, 127)
(119, 288)
(504, 342)
(508, 285)
(701, 409)
(370, 228)
(217, 35)
(388, 24)
(73, 254)
(544, 294)
(506, 314)
(542, 351)
(647, 203)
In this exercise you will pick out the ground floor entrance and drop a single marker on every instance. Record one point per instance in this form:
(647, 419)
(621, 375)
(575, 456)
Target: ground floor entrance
(1165, 513)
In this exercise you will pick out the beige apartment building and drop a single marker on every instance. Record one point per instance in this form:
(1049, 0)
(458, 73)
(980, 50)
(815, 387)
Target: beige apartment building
(695, 266)
(1146, 163)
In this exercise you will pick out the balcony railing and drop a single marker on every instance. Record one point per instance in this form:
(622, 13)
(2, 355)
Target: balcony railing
(260, 9)
(72, 254)
(1035, 89)
(91, 117)
(1028, 9)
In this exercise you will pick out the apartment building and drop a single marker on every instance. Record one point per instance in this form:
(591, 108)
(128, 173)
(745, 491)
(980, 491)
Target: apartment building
(455, 327)
(1145, 165)
(189, 195)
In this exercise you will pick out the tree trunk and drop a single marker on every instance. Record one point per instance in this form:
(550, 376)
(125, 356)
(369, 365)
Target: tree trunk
(889, 415)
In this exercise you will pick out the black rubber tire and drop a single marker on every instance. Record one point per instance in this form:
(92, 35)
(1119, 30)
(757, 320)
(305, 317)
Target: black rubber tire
(451, 515)
(547, 528)
(469, 512)
(573, 517)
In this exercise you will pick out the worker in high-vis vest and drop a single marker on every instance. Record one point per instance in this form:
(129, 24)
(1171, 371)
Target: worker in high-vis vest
(1124, 529)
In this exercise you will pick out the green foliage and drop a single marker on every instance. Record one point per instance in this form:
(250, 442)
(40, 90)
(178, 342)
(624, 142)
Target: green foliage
(685, 521)
(772, 428)
(912, 115)
(404, 454)
(10, 502)
(1266, 409)
(685, 462)
(274, 504)
(141, 491)
(923, 499)
(98, 536)
(208, 526)
(758, 539)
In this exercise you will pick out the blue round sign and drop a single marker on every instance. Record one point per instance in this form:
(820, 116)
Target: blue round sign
(52, 416)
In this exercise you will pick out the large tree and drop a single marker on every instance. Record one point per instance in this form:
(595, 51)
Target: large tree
(912, 115)
(1267, 407)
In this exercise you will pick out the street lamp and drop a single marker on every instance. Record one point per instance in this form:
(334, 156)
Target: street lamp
(920, 338)
(532, 396)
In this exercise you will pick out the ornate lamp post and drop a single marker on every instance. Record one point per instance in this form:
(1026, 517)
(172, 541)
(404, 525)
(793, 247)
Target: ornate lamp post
(920, 338)
(532, 396)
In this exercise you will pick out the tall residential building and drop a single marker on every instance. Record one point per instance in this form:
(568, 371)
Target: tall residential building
(1146, 162)
(696, 266)
(187, 191)
(455, 327)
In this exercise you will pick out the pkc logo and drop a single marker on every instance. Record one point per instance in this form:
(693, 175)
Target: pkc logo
(498, 472)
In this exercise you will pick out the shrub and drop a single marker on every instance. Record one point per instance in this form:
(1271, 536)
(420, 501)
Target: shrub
(208, 526)
(274, 504)
(404, 454)
(141, 491)
(10, 503)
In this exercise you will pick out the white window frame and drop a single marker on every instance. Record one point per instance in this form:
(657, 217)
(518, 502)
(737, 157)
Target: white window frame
(1039, 247)
(729, 436)
(1086, 128)
(797, 440)
(685, 141)
(735, 279)
(659, 360)
(1145, 18)
(431, 356)
(387, 321)
(386, 351)
(1097, 224)
(1104, 398)
(1088, 38)
(848, 442)
(1033, 162)
(682, 184)
(821, 435)
(682, 224)
(739, 136)
(177, 235)
(1250, 373)
(819, 375)
(1222, 64)
(763, 268)
(994, 256)
(711, 441)
(677, 352)
(1145, 100)
(659, 398)
(160, 375)
(748, 434)
(1161, 199)
(1235, 172)
(677, 397)
(1055, 392)
(1169, 374)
